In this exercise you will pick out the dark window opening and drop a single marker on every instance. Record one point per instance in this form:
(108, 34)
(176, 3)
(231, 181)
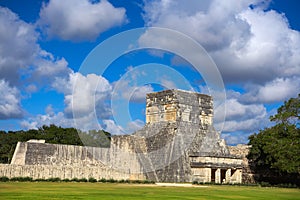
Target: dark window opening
(213, 175)
(223, 175)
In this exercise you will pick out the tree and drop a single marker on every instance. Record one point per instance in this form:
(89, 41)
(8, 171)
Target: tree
(289, 113)
(275, 151)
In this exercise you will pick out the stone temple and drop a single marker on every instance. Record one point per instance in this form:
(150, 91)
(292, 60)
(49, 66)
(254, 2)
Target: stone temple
(177, 144)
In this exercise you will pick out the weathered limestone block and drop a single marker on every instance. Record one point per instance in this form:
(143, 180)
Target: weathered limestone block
(179, 105)
(124, 153)
(228, 176)
(19, 154)
(61, 155)
(202, 175)
(218, 176)
(236, 176)
(216, 162)
(242, 150)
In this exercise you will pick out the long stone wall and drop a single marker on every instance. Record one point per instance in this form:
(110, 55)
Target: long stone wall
(42, 160)
(65, 172)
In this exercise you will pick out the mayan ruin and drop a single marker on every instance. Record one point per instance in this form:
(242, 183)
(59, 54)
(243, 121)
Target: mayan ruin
(177, 144)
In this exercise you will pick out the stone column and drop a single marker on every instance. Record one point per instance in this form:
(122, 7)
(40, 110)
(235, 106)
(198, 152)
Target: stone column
(218, 176)
(208, 177)
(239, 175)
(228, 176)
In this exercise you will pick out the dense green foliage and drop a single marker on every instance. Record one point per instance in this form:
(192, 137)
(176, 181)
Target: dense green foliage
(52, 134)
(275, 151)
(73, 190)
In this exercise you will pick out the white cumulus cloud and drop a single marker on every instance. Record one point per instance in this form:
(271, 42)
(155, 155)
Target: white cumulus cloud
(277, 90)
(17, 45)
(24, 66)
(243, 117)
(79, 20)
(50, 118)
(60, 119)
(111, 127)
(84, 94)
(9, 101)
(247, 44)
(212, 23)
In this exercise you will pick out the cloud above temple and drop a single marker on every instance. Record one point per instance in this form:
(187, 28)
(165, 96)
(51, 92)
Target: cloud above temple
(79, 20)
(236, 36)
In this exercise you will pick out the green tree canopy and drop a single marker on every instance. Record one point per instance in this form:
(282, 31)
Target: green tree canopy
(276, 150)
(289, 113)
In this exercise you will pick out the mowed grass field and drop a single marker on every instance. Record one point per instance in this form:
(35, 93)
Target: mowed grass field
(62, 190)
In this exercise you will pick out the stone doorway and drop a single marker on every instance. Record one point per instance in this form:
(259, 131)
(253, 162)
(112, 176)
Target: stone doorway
(213, 175)
(223, 175)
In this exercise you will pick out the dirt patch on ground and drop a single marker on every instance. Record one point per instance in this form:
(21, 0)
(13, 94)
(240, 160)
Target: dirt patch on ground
(178, 185)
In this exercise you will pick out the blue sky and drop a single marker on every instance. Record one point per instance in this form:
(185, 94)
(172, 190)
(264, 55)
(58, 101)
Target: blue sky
(255, 45)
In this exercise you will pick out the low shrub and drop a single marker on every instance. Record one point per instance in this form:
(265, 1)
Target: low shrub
(4, 179)
(148, 182)
(21, 179)
(92, 180)
(287, 185)
(39, 180)
(75, 180)
(121, 181)
(82, 180)
(265, 184)
(111, 180)
(136, 181)
(127, 181)
(53, 179)
(102, 180)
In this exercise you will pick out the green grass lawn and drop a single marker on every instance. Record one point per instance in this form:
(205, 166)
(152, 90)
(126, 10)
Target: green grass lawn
(62, 190)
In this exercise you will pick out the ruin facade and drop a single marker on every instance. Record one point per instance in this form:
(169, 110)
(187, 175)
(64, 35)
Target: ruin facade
(177, 144)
